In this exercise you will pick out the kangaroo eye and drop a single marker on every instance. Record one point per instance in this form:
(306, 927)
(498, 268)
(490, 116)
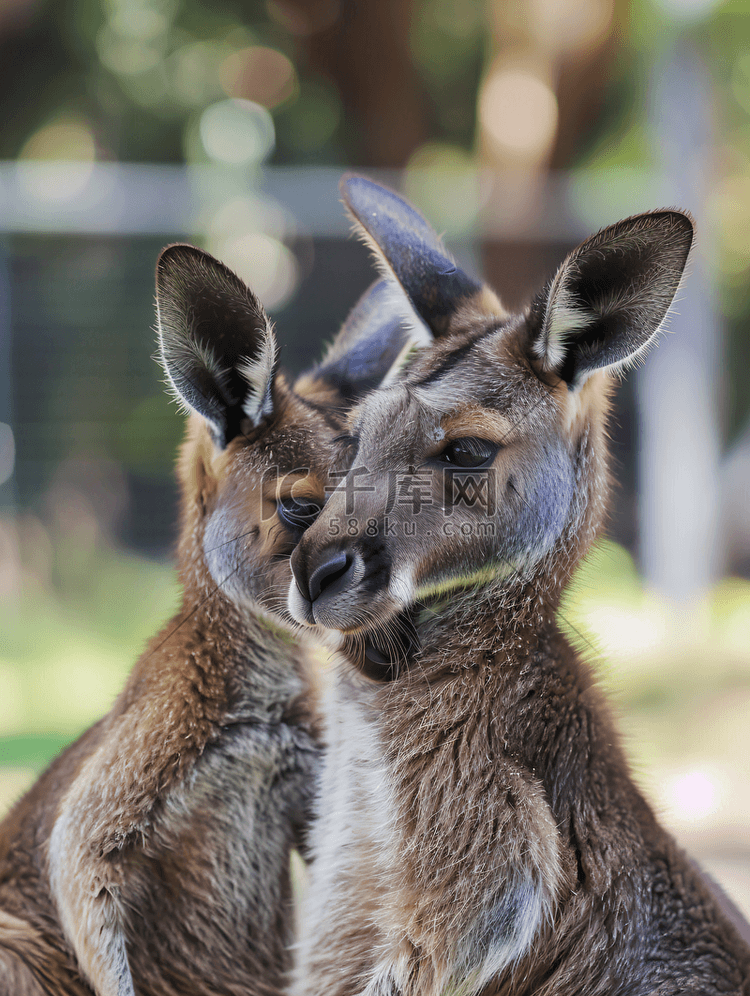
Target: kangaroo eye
(469, 452)
(297, 513)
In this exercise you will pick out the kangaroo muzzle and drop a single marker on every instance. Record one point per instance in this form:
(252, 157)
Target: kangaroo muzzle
(326, 587)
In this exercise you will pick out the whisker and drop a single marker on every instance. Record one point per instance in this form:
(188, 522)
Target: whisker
(234, 539)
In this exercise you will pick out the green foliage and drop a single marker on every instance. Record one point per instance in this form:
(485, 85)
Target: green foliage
(648, 650)
(148, 436)
(31, 750)
(138, 71)
(448, 42)
(68, 646)
(308, 127)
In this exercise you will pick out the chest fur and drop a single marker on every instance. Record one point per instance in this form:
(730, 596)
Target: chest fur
(454, 839)
(214, 865)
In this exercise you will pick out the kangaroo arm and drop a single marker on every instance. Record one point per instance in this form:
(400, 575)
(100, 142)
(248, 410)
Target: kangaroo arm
(85, 889)
(107, 809)
(32, 966)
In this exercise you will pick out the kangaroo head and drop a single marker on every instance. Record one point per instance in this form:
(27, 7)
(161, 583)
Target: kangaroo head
(255, 464)
(486, 457)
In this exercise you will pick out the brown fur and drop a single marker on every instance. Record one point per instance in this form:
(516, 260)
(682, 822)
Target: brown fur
(145, 790)
(479, 831)
(152, 857)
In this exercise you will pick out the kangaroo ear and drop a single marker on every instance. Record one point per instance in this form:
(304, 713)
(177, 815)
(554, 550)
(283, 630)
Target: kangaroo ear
(408, 249)
(378, 329)
(216, 343)
(609, 299)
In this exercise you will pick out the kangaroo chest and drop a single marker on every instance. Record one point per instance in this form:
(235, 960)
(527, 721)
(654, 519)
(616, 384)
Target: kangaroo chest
(211, 882)
(452, 843)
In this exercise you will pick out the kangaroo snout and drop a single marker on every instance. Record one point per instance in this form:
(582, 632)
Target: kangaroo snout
(324, 585)
(331, 576)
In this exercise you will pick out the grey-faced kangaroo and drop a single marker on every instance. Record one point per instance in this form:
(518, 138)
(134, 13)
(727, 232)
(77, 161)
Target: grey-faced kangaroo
(478, 830)
(152, 857)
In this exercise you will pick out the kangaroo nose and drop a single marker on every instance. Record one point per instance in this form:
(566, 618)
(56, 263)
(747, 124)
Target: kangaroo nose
(331, 575)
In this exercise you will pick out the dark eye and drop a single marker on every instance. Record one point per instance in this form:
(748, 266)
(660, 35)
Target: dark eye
(349, 445)
(297, 513)
(469, 452)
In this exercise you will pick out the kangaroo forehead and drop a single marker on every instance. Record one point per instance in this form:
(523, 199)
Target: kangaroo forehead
(492, 370)
(295, 437)
(480, 400)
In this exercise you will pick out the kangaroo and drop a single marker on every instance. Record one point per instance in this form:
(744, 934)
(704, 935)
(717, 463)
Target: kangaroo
(152, 856)
(478, 830)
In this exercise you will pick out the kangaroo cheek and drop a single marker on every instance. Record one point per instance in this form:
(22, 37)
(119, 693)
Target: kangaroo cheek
(232, 553)
(545, 507)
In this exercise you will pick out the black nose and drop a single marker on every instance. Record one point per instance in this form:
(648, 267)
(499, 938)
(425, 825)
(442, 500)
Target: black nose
(330, 576)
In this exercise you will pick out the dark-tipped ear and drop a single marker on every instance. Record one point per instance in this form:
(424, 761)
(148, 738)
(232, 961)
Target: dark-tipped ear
(409, 250)
(607, 302)
(378, 329)
(215, 341)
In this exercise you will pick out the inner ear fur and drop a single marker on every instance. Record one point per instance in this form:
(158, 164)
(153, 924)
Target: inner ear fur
(611, 296)
(377, 330)
(216, 343)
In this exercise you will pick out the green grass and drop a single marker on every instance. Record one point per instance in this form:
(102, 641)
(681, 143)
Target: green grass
(72, 625)
(31, 750)
(69, 640)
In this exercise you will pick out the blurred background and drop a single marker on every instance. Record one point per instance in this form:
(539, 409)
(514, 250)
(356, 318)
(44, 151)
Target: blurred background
(519, 127)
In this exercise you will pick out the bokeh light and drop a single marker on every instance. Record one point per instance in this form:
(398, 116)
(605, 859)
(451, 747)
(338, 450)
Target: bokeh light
(575, 26)
(694, 795)
(263, 75)
(441, 178)
(263, 262)
(68, 138)
(518, 110)
(237, 132)
(65, 137)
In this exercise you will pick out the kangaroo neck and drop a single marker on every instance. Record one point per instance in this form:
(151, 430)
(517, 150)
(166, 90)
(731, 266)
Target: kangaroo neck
(457, 631)
(233, 663)
(503, 615)
(495, 665)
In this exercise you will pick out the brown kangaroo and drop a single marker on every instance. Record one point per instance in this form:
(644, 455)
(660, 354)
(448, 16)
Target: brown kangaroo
(152, 857)
(479, 831)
